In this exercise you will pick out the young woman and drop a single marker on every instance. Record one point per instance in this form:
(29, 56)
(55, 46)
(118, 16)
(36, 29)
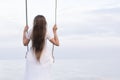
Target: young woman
(39, 59)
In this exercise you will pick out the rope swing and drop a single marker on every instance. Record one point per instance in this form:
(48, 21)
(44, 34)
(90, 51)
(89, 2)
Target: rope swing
(55, 23)
(26, 12)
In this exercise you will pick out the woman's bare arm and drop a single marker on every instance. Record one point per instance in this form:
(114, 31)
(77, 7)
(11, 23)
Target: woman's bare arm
(25, 40)
(55, 40)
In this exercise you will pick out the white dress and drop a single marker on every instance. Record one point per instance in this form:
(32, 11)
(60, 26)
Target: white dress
(34, 69)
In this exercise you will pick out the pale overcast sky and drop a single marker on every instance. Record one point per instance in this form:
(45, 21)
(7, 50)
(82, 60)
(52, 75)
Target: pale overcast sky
(87, 28)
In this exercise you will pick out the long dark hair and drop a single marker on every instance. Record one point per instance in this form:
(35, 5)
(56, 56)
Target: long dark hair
(38, 35)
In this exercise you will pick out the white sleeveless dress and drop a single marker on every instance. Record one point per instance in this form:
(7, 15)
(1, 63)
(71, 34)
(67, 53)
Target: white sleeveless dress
(34, 69)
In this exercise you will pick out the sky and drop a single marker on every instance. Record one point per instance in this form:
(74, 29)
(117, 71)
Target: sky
(87, 29)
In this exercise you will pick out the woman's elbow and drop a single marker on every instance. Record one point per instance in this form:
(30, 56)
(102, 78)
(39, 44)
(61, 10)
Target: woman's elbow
(57, 44)
(25, 43)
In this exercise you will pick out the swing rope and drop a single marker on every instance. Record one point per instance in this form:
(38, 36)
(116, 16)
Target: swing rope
(26, 12)
(55, 11)
(55, 24)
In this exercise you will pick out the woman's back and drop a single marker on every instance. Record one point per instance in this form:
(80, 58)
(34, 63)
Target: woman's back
(46, 57)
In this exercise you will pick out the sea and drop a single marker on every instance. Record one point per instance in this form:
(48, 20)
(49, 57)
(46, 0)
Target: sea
(66, 69)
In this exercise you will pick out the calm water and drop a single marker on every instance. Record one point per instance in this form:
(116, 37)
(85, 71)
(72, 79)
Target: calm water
(66, 69)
